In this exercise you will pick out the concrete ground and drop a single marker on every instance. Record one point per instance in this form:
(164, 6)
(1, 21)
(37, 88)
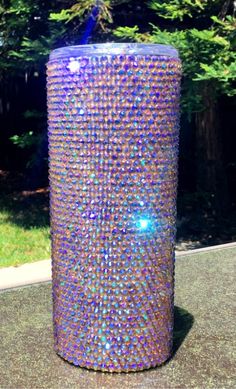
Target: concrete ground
(204, 340)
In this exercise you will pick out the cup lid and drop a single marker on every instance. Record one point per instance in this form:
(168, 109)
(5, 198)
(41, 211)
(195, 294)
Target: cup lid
(114, 49)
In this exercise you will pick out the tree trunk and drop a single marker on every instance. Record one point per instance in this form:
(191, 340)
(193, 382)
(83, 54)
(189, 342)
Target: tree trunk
(210, 174)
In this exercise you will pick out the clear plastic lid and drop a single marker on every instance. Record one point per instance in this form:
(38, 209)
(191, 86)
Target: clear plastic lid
(114, 49)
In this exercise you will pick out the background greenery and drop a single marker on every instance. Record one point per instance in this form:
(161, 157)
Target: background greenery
(204, 32)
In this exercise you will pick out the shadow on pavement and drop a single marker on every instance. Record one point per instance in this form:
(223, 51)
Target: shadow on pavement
(183, 322)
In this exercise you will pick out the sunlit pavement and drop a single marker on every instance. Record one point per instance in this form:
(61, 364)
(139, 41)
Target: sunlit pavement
(205, 334)
(27, 274)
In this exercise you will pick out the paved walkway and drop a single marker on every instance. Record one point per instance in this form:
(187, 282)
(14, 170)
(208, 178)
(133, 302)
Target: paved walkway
(204, 337)
(29, 273)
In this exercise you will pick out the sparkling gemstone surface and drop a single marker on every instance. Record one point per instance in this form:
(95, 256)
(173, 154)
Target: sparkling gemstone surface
(113, 147)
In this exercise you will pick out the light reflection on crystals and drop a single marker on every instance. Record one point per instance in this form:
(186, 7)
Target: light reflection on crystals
(144, 223)
(113, 145)
(74, 65)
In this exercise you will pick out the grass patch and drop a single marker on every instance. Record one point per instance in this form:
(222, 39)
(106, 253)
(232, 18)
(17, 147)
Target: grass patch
(18, 245)
(24, 224)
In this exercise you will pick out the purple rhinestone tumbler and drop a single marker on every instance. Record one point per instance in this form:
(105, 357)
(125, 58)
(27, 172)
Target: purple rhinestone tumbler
(113, 145)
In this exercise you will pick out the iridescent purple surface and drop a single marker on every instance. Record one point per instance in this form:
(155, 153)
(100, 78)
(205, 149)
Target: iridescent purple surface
(113, 140)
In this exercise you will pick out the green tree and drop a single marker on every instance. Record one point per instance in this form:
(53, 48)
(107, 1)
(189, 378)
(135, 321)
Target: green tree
(26, 38)
(27, 35)
(204, 32)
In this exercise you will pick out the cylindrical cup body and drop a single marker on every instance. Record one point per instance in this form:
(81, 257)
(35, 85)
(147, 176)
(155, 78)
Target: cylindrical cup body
(113, 114)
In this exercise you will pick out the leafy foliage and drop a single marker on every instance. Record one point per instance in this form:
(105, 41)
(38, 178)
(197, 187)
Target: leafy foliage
(208, 54)
(25, 140)
(203, 31)
(27, 35)
(179, 9)
(30, 139)
(82, 9)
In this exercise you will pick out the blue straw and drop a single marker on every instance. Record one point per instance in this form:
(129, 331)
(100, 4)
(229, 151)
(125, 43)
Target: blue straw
(92, 21)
